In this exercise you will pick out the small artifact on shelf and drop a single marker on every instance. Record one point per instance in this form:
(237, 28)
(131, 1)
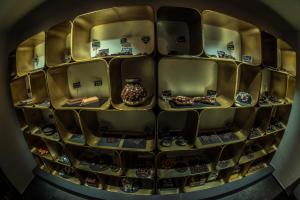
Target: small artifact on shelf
(143, 172)
(195, 181)
(82, 101)
(129, 185)
(263, 99)
(136, 143)
(133, 93)
(49, 129)
(168, 163)
(114, 168)
(98, 166)
(43, 151)
(210, 139)
(67, 55)
(74, 101)
(254, 132)
(257, 167)
(45, 103)
(199, 168)
(247, 59)
(228, 137)
(243, 99)
(213, 176)
(89, 100)
(91, 181)
(222, 54)
(67, 172)
(64, 159)
(25, 102)
(271, 128)
(77, 138)
(278, 124)
(180, 141)
(168, 184)
(166, 141)
(223, 164)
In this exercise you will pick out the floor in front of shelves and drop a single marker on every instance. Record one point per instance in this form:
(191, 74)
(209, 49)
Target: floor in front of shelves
(265, 189)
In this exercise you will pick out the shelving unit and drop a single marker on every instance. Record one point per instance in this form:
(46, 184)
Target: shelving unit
(183, 76)
(80, 80)
(142, 68)
(120, 30)
(178, 31)
(30, 54)
(189, 134)
(232, 36)
(58, 44)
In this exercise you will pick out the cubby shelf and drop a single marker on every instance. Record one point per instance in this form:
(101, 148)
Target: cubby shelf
(191, 132)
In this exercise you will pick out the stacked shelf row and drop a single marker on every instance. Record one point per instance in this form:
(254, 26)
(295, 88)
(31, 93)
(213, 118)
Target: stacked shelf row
(130, 31)
(157, 146)
(235, 143)
(176, 75)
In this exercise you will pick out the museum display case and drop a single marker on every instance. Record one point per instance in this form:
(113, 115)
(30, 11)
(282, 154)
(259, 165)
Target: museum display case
(143, 100)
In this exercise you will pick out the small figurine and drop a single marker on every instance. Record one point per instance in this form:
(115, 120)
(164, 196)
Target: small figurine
(166, 141)
(64, 159)
(181, 141)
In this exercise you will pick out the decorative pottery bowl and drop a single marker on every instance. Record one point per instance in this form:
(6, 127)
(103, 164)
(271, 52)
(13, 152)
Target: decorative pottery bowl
(133, 93)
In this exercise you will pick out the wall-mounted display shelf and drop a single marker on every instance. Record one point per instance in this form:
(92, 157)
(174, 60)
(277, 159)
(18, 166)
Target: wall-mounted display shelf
(286, 57)
(249, 81)
(290, 91)
(134, 85)
(83, 85)
(273, 88)
(226, 37)
(69, 127)
(127, 185)
(179, 31)
(41, 123)
(124, 31)
(119, 130)
(30, 54)
(219, 127)
(97, 161)
(58, 44)
(149, 99)
(177, 164)
(195, 83)
(142, 164)
(176, 130)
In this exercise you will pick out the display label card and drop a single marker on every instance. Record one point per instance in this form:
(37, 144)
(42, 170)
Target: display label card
(76, 85)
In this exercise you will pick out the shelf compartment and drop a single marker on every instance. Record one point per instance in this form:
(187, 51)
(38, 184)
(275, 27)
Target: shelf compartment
(96, 161)
(170, 186)
(261, 122)
(179, 31)
(80, 80)
(68, 124)
(21, 119)
(182, 76)
(290, 91)
(174, 127)
(269, 49)
(38, 147)
(141, 165)
(58, 153)
(205, 186)
(39, 89)
(41, 123)
(116, 184)
(58, 44)
(127, 28)
(219, 30)
(119, 130)
(286, 57)
(230, 155)
(253, 150)
(279, 118)
(143, 68)
(249, 80)
(214, 124)
(274, 84)
(64, 172)
(30, 54)
(257, 165)
(178, 164)
(90, 179)
(20, 91)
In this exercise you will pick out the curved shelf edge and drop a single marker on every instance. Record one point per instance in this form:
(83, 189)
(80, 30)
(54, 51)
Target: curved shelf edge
(95, 193)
